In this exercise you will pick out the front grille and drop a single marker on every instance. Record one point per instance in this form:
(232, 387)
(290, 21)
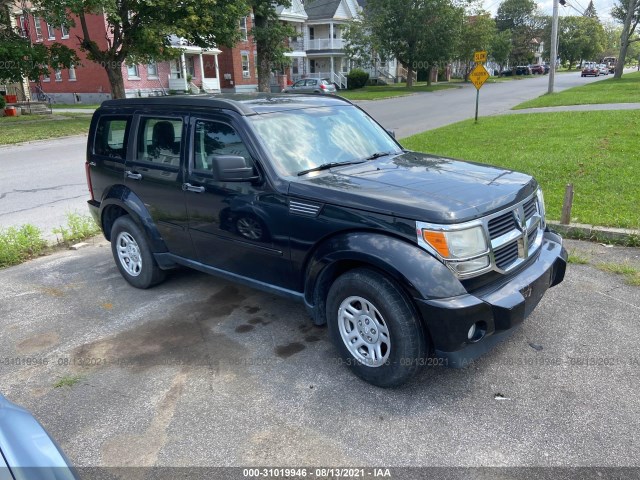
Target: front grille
(530, 208)
(506, 255)
(514, 234)
(500, 225)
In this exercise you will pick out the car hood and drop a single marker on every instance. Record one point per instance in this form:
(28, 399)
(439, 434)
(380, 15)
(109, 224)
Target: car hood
(418, 186)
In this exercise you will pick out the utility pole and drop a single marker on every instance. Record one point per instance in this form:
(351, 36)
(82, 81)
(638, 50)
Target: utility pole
(554, 46)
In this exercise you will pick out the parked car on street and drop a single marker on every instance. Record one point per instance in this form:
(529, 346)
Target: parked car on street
(409, 258)
(523, 70)
(312, 85)
(590, 68)
(604, 70)
(537, 69)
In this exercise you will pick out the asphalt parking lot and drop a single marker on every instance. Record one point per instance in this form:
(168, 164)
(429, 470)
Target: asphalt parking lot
(201, 372)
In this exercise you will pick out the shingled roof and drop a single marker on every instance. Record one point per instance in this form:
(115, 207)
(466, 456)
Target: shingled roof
(317, 9)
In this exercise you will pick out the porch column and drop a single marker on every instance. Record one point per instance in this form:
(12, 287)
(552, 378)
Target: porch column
(332, 69)
(183, 67)
(215, 60)
(331, 37)
(201, 72)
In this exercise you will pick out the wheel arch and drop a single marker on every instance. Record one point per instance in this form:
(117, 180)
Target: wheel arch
(119, 201)
(417, 273)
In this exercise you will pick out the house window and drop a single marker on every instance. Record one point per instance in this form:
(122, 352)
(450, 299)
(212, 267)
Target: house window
(243, 29)
(65, 31)
(245, 65)
(51, 32)
(72, 73)
(132, 71)
(46, 78)
(38, 28)
(312, 34)
(22, 25)
(58, 75)
(152, 70)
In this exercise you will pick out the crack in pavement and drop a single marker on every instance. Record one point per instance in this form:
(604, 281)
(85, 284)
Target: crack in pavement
(34, 190)
(44, 204)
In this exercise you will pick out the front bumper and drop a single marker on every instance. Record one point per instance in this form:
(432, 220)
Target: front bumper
(499, 307)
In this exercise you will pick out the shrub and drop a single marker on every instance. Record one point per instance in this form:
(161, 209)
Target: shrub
(18, 244)
(357, 79)
(3, 102)
(78, 227)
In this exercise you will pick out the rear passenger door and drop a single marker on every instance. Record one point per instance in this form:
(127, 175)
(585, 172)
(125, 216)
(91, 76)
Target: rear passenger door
(154, 173)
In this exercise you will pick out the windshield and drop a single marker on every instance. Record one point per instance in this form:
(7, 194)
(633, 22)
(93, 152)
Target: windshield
(303, 139)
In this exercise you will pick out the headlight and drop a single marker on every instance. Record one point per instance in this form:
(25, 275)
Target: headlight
(465, 251)
(456, 244)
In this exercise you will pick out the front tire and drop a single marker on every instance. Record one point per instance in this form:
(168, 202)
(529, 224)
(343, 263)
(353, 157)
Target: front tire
(132, 254)
(375, 328)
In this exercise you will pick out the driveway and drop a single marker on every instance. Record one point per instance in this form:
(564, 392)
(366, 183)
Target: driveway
(201, 372)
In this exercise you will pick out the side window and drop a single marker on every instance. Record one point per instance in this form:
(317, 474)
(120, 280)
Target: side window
(159, 141)
(216, 138)
(111, 137)
(311, 82)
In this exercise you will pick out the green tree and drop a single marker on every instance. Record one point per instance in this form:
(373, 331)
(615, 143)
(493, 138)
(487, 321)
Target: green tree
(141, 29)
(580, 38)
(521, 18)
(628, 13)
(270, 35)
(590, 11)
(501, 48)
(22, 59)
(419, 33)
(478, 32)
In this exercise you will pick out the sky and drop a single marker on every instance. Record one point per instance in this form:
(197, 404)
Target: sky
(603, 7)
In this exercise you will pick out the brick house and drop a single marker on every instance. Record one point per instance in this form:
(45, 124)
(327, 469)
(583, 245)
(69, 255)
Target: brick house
(88, 82)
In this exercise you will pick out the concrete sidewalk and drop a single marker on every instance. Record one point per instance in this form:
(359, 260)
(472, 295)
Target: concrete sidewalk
(578, 108)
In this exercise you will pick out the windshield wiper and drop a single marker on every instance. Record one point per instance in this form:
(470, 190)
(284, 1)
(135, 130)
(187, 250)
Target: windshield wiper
(326, 166)
(378, 155)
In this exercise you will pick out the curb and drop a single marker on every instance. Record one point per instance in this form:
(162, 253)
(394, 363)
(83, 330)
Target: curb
(580, 231)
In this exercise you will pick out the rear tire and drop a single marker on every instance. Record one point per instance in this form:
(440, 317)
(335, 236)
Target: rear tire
(132, 254)
(375, 328)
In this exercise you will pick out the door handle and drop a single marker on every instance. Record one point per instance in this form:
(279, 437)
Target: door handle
(92, 164)
(133, 176)
(187, 187)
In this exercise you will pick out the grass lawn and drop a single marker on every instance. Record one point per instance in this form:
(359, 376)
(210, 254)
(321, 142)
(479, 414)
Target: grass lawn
(40, 127)
(596, 151)
(388, 91)
(79, 106)
(624, 90)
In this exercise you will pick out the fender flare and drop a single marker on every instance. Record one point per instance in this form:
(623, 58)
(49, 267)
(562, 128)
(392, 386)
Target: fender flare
(420, 274)
(123, 197)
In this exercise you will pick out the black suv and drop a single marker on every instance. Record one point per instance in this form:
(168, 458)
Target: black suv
(411, 259)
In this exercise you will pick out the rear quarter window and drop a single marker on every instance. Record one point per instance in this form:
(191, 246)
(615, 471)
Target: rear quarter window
(111, 137)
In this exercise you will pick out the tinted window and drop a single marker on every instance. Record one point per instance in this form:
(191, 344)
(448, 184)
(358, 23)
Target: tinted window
(159, 140)
(312, 82)
(216, 138)
(111, 137)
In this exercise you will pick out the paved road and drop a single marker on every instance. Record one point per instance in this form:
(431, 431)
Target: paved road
(42, 181)
(201, 372)
(417, 113)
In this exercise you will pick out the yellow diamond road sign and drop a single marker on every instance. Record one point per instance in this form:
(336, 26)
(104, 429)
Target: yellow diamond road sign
(479, 75)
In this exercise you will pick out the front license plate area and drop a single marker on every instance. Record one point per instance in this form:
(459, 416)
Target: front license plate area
(534, 292)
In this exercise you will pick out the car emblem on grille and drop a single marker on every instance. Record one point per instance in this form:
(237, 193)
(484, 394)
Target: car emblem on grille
(521, 221)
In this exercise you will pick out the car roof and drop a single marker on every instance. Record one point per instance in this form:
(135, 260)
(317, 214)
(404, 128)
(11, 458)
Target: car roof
(244, 104)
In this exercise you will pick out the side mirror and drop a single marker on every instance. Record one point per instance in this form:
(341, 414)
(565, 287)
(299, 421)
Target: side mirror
(231, 168)
(392, 133)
